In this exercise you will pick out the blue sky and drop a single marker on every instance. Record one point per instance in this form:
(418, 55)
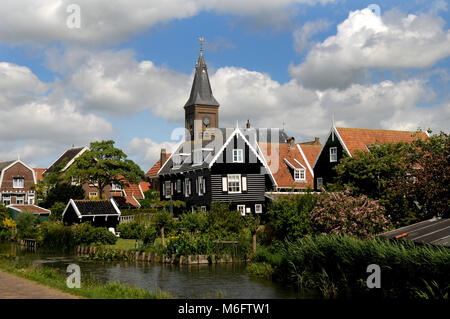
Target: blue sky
(126, 72)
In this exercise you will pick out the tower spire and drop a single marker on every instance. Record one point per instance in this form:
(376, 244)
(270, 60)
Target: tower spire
(201, 93)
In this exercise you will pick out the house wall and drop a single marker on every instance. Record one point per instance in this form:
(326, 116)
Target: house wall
(17, 170)
(323, 167)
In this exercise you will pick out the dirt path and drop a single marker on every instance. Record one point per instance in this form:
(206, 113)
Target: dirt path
(13, 287)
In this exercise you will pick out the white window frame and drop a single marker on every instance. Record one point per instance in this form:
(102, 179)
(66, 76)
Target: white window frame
(20, 199)
(258, 208)
(333, 157)
(6, 198)
(203, 208)
(31, 199)
(238, 155)
(201, 185)
(299, 174)
(16, 179)
(178, 186)
(231, 179)
(241, 209)
(186, 187)
(321, 182)
(116, 187)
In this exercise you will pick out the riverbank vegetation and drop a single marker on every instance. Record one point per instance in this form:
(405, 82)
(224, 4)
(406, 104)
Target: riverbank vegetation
(335, 266)
(90, 287)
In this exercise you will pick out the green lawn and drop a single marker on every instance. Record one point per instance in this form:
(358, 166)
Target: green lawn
(122, 244)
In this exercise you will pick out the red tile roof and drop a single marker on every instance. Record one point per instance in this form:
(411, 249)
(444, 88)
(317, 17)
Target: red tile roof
(145, 186)
(153, 172)
(132, 201)
(133, 189)
(38, 172)
(311, 152)
(358, 139)
(283, 174)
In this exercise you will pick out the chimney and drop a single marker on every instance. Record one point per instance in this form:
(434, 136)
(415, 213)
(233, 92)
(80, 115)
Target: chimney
(316, 141)
(163, 156)
(291, 141)
(248, 123)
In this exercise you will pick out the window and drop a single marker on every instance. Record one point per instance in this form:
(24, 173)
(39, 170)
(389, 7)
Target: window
(178, 186)
(176, 161)
(6, 199)
(299, 174)
(201, 185)
(187, 187)
(20, 199)
(116, 187)
(319, 182)
(333, 154)
(92, 195)
(203, 208)
(168, 188)
(258, 208)
(238, 156)
(241, 208)
(18, 182)
(31, 199)
(234, 183)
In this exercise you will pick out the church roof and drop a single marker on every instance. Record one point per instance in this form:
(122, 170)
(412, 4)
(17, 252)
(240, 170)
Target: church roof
(201, 93)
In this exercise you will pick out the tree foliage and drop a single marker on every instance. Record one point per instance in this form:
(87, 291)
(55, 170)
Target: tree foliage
(62, 193)
(103, 165)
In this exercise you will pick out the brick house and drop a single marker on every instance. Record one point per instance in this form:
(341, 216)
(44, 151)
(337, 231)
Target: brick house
(16, 181)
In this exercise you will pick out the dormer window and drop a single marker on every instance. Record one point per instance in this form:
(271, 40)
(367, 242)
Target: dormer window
(333, 154)
(176, 161)
(238, 156)
(299, 175)
(18, 182)
(116, 187)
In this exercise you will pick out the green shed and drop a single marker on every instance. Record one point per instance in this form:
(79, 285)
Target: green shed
(15, 209)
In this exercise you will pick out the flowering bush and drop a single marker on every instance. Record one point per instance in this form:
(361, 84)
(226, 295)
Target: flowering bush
(341, 213)
(8, 224)
(189, 245)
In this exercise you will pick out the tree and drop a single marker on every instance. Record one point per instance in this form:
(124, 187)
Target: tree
(63, 193)
(26, 222)
(289, 216)
(370, 173)
(426, 185)
(252, 222)
(162, 219)
(57, 209)
(103, 165)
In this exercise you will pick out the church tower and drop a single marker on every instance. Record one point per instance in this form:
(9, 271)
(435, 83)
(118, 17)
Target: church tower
(201, 106)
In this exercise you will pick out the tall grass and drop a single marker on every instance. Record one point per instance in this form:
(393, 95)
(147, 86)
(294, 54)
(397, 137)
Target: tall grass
(336, 266)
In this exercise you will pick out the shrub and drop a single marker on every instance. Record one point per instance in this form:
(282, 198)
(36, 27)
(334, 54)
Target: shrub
(86, 234)
(57, 209)
(193, 222)
(224, 223)
(148, 235)
(289, 216)
(26, 222)
(130, 230)
(340, 213)
(55, 235)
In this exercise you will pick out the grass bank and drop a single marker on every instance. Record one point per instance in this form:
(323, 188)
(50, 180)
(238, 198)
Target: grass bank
(90, 288)
(336, 267)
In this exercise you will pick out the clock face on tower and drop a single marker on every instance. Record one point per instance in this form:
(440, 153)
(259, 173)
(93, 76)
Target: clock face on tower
(206, 121)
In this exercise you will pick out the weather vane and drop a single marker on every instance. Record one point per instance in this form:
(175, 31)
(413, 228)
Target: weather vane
(202, 39)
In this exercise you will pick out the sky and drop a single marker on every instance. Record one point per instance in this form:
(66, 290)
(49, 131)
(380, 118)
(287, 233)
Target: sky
(73, 72)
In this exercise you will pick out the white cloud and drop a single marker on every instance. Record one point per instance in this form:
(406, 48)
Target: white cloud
(39, 21)
(366, 41)
(146, 152)
(34, 119)
(302, 35)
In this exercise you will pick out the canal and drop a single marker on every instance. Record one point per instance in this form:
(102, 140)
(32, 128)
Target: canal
(185, 281)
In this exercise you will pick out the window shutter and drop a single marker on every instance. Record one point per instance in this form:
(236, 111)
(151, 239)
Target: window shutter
(163, 185)
(224, 184)
(244, 183)
(189, 183)
(171, 188)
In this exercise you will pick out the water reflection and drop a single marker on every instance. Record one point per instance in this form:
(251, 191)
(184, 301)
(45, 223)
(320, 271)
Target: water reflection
(185, 281)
